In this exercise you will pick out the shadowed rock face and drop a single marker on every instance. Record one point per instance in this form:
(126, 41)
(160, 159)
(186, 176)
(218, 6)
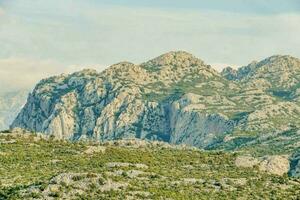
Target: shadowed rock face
(174, 98)
(295, 164)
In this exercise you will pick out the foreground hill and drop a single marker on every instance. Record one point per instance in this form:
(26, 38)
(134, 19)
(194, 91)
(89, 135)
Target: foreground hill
(34, 167)
(174, 98)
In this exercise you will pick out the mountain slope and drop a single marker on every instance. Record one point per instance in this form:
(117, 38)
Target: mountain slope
(175, 98)
(275, 81)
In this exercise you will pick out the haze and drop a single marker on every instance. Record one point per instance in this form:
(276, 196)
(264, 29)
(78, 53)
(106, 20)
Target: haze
(43, 38)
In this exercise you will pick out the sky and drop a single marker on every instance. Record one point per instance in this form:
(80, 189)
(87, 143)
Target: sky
(40, 38)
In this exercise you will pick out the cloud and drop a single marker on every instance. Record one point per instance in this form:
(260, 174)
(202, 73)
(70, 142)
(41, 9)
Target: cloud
(24, 73)
(41, 38)
(220, 66)
(110, 34)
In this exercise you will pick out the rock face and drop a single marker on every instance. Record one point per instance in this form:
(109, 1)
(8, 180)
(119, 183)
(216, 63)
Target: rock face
(230, 73)
(278, 165)
(295, 164)
(246, 161)
(175, 98)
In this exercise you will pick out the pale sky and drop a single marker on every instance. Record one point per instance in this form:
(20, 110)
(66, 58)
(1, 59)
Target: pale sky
(40, 38)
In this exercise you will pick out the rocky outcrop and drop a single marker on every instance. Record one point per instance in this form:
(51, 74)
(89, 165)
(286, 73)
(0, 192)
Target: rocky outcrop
(246, 161)
(278, 165)
(279, 71)
(230, 73)
(175, 98)
(189, 126)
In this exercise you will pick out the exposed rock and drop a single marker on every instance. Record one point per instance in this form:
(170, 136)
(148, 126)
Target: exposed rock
(246, 161)
(278, 165)
(130, 173)
(2, 141)
(174, 98)
(94, 149)
(69, 185)
(117, 164)
(230, 73)
(295, 164)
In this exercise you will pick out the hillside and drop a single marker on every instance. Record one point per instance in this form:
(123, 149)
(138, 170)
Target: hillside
(37, 167)
(174, 98)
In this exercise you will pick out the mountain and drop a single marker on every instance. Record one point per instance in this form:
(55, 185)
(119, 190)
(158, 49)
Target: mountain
(10, 105)
(174, 98)
(279, 75)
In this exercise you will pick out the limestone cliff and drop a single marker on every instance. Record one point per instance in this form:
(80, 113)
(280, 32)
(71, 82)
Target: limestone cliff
(175, 98)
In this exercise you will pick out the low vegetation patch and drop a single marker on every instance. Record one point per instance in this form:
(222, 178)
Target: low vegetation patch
(48, 169)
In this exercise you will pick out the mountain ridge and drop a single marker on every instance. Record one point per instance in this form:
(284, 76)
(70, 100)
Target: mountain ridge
(175, 98)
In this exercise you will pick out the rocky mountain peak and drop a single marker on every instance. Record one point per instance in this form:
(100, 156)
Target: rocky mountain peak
(122, 65)
(276, 58)
(229, 73)
(85, 72)
(280, 62)
(171, 57)
(277, 67)
(180, 59)
(119, 68)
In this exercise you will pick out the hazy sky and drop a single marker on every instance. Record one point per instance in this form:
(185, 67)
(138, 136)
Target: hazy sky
(44, 37)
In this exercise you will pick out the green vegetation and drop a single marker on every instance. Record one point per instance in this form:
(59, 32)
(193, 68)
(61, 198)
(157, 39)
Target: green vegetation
(32, 168)
(282, 94)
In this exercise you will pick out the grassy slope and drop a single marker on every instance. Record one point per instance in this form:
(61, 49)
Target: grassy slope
(26, 162)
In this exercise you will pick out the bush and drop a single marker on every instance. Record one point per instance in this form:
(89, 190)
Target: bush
(5, 131)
